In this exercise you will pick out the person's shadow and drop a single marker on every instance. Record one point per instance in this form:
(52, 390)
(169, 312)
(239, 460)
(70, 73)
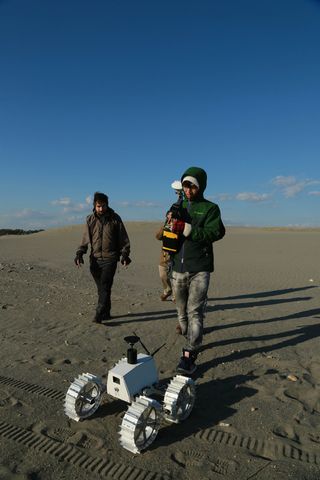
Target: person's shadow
(269, 293)
(140, 317)
(258, 295)
(291, 316)
(171, 313)
(290, 338)
(259, 303)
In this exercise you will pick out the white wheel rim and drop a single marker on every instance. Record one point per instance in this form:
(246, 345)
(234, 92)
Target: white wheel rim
(140, 424)
(146, 428)
(179, 399)
(83, 396)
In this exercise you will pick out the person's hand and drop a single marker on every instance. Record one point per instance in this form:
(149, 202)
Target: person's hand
(169, 218)
(181, 227)
(125, 260)
(79, 259)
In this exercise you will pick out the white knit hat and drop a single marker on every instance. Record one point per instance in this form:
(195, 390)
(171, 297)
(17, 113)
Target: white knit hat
(192, 180)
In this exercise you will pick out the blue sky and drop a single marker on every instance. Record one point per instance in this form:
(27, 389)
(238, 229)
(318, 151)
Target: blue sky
(122, 96)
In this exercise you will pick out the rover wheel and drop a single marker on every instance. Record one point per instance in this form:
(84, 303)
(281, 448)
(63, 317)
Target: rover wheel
(140, 424)
(83, 396)
(179, 399)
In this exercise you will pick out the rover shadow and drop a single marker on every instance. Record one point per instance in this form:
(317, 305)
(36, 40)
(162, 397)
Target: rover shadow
(214, 404)
(215, 399)
(110, 406)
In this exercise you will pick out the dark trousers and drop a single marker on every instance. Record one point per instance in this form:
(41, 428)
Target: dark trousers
(103, 272)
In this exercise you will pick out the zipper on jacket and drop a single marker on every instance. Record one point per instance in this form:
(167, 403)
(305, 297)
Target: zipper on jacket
(182, 259)
(182, 248)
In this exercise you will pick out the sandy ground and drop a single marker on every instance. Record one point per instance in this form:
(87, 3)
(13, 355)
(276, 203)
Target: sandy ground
(257, 412)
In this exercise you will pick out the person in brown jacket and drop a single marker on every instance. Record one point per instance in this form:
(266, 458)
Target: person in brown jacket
(164, 264)
(109, 241)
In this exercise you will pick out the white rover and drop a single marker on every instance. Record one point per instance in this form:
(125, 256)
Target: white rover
(134, 379)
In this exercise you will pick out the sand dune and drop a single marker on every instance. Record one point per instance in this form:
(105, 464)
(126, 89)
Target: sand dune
(257, 413)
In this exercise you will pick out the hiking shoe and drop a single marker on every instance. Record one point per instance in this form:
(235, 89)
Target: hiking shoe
(187, 362)
(164, 296)
(186, 366)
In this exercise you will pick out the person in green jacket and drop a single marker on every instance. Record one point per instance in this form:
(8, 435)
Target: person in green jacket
(198, 224)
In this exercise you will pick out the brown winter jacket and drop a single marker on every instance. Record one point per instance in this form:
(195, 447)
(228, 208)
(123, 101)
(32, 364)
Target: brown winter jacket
(107, 236)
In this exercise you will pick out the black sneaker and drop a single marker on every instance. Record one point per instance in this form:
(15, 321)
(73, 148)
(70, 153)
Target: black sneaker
(187, 363)
(186, 366)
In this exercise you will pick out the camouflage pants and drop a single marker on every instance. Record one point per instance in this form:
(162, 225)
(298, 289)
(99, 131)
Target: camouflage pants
(191, 298)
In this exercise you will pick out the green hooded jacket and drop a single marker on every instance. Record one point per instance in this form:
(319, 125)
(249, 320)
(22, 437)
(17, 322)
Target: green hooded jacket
(196, 252)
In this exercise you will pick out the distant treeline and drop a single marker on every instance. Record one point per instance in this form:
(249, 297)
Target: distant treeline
(17, 231)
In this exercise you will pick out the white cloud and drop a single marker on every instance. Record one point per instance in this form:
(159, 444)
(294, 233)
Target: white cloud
(282, 181)
(315, 193)
(138, 204)
(76, 207)
(27, 213)
(69, 219)
(62, 201)
(290, 186)
(27, 219)
(252, 197)
(143, 204)
(293, 190)
(223, 197)
(70, 206)
(65, 211)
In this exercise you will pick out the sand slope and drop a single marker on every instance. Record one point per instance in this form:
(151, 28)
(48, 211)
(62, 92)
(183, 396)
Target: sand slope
(257, 413)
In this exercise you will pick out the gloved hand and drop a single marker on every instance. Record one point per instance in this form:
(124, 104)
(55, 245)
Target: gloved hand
(125, 260)
(181, 227)
(180, 213)
(79, 259)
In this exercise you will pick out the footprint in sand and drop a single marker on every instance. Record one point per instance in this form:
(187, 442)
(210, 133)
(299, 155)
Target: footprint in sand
(10, 401)
(57, 361)
(314, 370)
(308, 397)
(204, 465)
(85, 439)
(9, 474)
(4, 395)
(51, 363)
(286, 431)
(314, 437)
(60, 434)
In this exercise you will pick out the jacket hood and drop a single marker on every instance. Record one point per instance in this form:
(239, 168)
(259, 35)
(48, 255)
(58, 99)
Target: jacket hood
(199, 174)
